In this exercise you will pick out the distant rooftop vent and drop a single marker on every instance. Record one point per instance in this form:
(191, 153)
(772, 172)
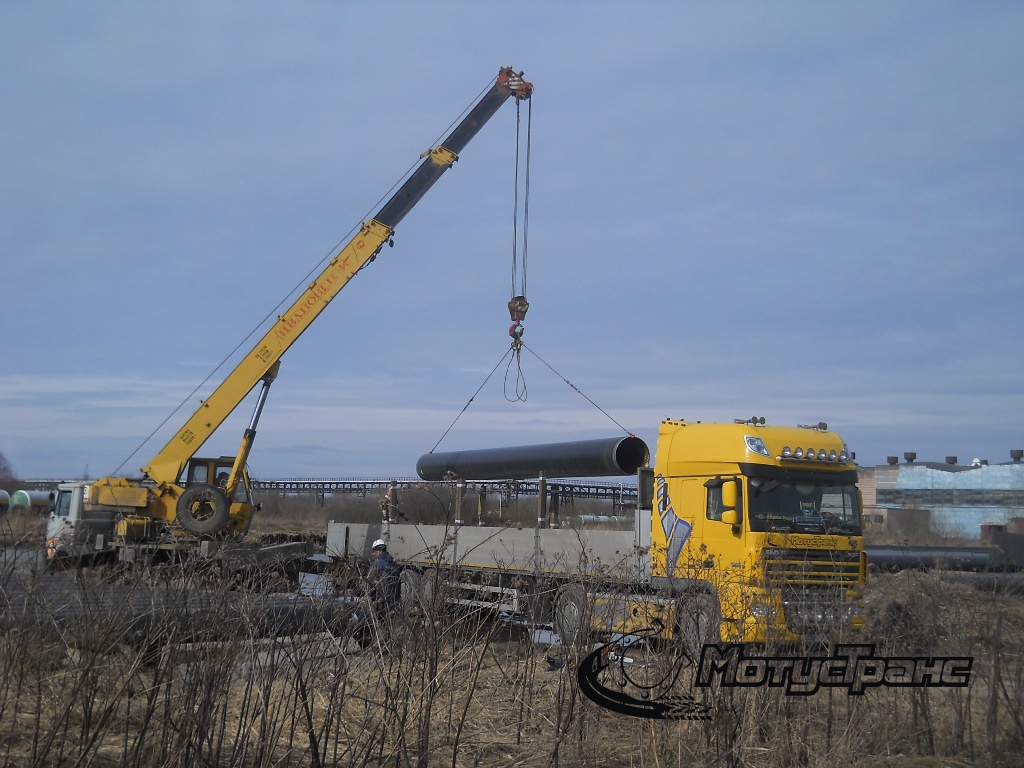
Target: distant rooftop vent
(910, 456)
(1017, 454)
(893, 459)
(951, 459)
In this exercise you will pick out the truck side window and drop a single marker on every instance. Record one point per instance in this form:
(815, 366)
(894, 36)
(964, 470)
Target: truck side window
(715, 503)
(63, 508)
(716, 506)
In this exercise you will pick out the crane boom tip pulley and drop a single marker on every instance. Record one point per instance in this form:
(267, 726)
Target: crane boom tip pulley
(512, 82)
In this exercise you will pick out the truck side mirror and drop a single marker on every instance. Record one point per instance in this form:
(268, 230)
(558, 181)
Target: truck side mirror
(645, 488)
(730, 496)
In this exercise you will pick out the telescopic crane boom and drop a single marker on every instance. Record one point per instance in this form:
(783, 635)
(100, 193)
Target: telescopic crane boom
(204, 506)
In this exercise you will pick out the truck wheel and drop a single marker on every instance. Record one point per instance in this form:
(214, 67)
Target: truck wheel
(202, 509)
(570, 613)
(698, 622)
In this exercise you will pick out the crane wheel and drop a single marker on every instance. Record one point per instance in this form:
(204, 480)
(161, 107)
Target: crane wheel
(202, 509)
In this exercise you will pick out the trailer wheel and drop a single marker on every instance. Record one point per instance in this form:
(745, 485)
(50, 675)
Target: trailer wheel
(202, 509)
(417, 591)
(570, 613)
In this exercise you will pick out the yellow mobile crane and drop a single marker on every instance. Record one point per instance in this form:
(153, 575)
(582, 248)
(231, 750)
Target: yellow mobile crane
(184, 494)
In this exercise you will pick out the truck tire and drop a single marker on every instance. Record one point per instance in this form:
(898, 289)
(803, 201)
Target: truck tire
(202, 509)
(571, 617)
(698, 622)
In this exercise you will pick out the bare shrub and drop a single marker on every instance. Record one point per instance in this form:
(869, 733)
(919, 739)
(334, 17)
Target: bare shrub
(172, 668)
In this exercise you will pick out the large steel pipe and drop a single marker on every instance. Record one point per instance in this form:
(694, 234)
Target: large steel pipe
(583, 458)
(894, 557)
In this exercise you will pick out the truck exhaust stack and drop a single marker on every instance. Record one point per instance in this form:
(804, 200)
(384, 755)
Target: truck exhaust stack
(584, 458)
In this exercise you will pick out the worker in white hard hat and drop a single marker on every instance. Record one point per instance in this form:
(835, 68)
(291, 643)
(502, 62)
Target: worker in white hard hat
(383, 576)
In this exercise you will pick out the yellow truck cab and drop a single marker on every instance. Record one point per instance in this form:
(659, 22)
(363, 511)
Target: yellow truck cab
(766, 519)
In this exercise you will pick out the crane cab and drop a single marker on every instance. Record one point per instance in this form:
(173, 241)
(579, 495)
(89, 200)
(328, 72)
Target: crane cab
(202, 473)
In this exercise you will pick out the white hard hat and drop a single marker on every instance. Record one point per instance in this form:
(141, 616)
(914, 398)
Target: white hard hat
(379, 544)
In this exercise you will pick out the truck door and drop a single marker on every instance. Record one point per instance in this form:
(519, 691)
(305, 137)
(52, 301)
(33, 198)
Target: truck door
(723, 555)
(65, 529)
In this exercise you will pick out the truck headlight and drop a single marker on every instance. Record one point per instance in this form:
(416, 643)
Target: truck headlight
(756, 444)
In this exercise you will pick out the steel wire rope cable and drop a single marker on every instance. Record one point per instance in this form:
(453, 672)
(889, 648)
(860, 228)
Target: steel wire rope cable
(471, 399)
(526, 203)
(519, 388)
(577, 389)
(513, 352)
(301, 283)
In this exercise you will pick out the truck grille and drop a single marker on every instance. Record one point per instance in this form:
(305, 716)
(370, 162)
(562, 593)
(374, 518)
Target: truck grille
(812, 567)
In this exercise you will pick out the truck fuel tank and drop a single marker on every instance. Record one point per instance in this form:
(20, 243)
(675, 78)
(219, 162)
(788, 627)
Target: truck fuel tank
(603, 457)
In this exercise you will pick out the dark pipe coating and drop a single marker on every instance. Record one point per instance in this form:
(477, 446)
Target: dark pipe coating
(584, 458)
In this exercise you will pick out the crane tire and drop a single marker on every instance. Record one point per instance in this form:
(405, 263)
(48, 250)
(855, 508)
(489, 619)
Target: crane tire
(202, 509)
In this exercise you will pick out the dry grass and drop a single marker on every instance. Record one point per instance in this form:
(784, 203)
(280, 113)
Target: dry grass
(22, 529)
(89, 677)
(94, 673)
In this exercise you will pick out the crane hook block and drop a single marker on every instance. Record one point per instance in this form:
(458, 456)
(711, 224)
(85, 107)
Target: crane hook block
(517, 308)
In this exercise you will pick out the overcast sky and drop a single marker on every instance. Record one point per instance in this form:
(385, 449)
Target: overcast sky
(802, 211)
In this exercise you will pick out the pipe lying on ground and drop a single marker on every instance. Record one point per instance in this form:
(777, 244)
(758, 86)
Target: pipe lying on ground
(583, 458)
(897, 558)
(141, 612)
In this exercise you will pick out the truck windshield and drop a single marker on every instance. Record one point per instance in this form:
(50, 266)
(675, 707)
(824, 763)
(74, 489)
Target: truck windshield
(799, 507)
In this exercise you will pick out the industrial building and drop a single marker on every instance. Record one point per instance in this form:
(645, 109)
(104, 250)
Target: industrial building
(970, 500)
